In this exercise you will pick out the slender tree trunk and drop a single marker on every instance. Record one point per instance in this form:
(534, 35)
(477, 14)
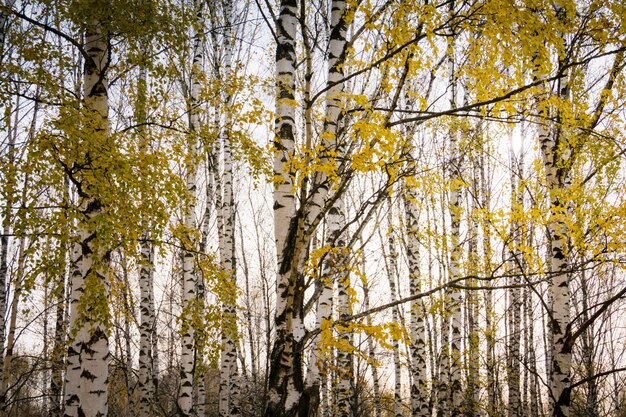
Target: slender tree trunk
(172, 402)
(490, 328)
(588, 352)
(15, 301)
(128, 312)
(344, 385)
(317, 367)
(10, 197)
(189, 287)
(229, 385)
(253, 325)
(443, 365)
(59, 294)
(472, 397)
(431, 333)
(88, 354)
(147, 316)
(450, 394)
(200, 386)
(57, 355)
(392, 268)
(456, 250)
(371, 349)
(45, 354)
(514, 309)
(533, 383)
(419, 387)
(5, 279)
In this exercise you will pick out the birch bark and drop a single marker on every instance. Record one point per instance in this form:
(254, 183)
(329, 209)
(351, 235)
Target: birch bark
(286, 382)
(229, 385)
(490, 329)
(185, 391)
(88, 354)
(392, 268)
(285, 379)
(317, 368)
(344, 386)
(57, 354)
(9, 197)
(4, 247)
(371, 351)
(147, 316)
(556, 176)
(419, 386)
(514, 309)
(472, 396)
(453, 304)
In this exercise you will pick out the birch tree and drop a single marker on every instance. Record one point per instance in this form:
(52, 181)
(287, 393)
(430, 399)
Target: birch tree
(336, 128)
(339, 272)
(189, 274)
(286, 379)
(229, 386)
(559, 148)
(392, 271)
(515, 301)
(147, 314)
(450, 396)
(419, 388)
(88, 353)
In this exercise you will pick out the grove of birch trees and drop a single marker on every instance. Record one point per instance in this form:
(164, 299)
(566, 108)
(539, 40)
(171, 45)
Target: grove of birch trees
(283, 208)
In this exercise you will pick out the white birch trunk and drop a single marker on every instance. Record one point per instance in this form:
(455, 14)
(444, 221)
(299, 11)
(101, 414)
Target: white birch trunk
(514, 310)
(127, 355)
(490, 329)
(560, 304)
(147, 322)
(73, 367)
(147, 317)
(472, 396)
(185, 391)
(419, 385)
(449, 390)
(10, 171)
(57, 354)
(531, 359)
(588, 352)
(559, 355)
(443, 380)
(560, 316)
(229, 384)
(15, 301)
(284, 384)
(456, 250)
(371, 352)
(4, 254)
(344, 386)
(88, 354)
(316, 367)
(392, 269)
